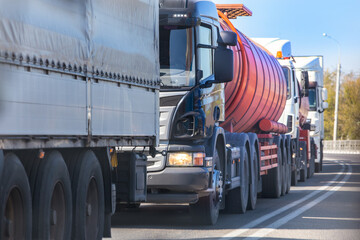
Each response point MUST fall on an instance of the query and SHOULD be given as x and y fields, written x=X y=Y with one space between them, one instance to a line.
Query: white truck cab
x=317 y=100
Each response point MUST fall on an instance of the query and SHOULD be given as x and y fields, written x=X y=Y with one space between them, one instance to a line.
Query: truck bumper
x=180 y=179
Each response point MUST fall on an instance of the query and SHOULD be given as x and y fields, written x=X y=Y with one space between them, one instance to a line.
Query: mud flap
x=131 y=178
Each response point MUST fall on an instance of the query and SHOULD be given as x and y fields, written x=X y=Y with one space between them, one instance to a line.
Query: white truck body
x=317 y=96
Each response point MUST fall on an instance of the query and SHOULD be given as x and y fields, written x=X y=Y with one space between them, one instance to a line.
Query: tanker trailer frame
x=74 y=86
x=203 y=159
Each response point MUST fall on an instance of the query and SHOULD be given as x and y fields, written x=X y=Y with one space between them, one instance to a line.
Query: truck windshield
x=287 y=77
x=312 y=99
x=177 y=59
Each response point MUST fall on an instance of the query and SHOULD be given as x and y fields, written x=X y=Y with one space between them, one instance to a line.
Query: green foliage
x=349 y=106
x=330 y=84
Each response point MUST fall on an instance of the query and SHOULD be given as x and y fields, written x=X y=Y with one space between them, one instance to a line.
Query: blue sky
x=303 y=22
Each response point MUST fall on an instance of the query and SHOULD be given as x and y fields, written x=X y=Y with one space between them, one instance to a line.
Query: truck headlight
x=186 y=159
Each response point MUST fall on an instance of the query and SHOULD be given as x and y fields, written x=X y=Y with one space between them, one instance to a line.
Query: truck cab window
x=288 y=79
x=205 y=51
x=312 y=99
x=177 y=57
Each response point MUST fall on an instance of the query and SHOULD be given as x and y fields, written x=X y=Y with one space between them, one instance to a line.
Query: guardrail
x=342 y=146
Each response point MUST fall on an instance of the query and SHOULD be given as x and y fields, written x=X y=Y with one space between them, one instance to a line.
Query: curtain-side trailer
x=77 y=80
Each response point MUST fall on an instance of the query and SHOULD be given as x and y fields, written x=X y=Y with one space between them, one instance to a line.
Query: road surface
x=327 y=206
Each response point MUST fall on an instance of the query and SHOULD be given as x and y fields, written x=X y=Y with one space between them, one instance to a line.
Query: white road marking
x=332 y=218
x=247 y=227
x=272 y=227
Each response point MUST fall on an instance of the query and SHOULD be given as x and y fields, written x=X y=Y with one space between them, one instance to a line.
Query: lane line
x=272 y=227
x=247 y=227
x=332 y=218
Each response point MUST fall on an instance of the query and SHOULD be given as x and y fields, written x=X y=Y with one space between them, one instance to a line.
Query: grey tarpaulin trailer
x=77 y=79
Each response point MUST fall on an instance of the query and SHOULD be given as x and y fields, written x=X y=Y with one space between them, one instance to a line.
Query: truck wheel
x=288 y=169
x=52 y=205
x=15 y=201
x=272 y=181
x=88 y=197
x=237 y=198
x=294 y=177
x=206 y=210
x=303 y=173
x=254 y=185
x=283 y=171
x=317 y=167
x=311 y=167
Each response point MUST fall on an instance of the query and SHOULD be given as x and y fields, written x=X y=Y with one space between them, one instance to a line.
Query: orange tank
x=258 y=90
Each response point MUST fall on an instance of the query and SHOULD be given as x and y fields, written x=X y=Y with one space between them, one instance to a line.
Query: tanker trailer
x=295 y=115
x=220 y=144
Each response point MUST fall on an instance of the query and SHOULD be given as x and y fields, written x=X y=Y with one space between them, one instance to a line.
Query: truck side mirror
x=324 y=94
x=227 y=38
x=224 y=66
x=325 y=105
x=305 y=83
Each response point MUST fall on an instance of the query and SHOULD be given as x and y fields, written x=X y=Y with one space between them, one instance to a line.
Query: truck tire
x=52 y=202
x=206 y=210
x=303 y=174
x=237 y=198
x=15 y=201
x=304 y=168
x=288 y=166
x=272 y=182
x=88 y=197
x=317 y=167
x=311 y=168
x=294 y=177
x=253 y=188
x=283 y=170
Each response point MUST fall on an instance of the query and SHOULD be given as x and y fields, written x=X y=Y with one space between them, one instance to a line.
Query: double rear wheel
x=15 y=201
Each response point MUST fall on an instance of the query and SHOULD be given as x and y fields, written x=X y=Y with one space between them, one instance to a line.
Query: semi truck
x=220 y=142
x=298 y=115
x=317 y=100
x=77 y=80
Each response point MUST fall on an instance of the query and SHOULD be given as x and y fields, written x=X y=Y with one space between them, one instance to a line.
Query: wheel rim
x=92 y=210
x=57 y=212
x=13 y=222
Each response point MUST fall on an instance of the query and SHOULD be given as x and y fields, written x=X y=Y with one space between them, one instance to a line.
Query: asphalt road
x=327 y=206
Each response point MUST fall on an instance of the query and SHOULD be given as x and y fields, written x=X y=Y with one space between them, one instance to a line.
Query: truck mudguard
x=218 y=134
x=1 y=162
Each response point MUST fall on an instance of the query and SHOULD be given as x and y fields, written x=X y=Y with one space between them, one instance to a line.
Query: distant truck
x=220 y=142
x=297 y=114
x=317 y=100
x=77 y=79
